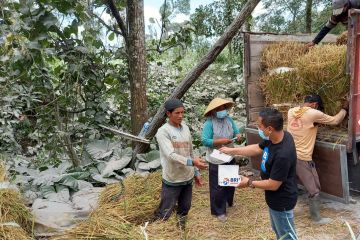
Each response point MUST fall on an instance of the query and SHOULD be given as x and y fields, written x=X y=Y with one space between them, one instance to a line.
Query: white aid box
x=229 y=175
x=218 y=158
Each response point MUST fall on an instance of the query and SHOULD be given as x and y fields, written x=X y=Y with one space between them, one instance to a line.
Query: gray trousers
x=307 y=174
x=172 y=196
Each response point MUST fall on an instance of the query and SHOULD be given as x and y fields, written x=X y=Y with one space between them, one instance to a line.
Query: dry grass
x=248 y=219
x=121 y=209
x=282 y=54
x=12 y=209
x=3 y=177
x=103 y=224
x=280 y=88
x=321 y=70
x=13 y=233
x=342 y=39
x=139 y=193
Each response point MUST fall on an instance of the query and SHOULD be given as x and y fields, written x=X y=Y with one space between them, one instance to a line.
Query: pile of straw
x=320 y=70
x=13 y=233
x=281 y=54
x=323 y=70
x=342 y=39
x=121 y=209
x=248 y=219
x=103 y=224
x=138 y=193
x=15 y=218
x=12 y=209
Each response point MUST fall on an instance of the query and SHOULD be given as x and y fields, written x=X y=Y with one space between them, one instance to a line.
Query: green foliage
x=212 y=19
x=56 y=81
x=282 y=16
x=220 y=79
x=59 y=81
x=172 y=34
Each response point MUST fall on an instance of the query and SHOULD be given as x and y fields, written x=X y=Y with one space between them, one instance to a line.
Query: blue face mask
x=221 y=114
x=262 y=134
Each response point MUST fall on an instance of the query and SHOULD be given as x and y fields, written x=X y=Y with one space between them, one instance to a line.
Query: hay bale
x=342 y=39
x=281 y=54
x=320 y=70
x=280 y=88
x=323 y=71
x=12 y=209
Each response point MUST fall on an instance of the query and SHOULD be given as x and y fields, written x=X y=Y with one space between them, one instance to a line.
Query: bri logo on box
x=230 y=181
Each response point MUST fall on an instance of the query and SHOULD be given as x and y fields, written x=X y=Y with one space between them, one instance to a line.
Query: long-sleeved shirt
x=207 y=136
x=301 y=126
x=176 y=154
x=335 y=19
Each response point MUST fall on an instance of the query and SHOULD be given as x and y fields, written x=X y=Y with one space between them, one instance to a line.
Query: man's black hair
x=272 y=117
x=172 y=104
x=315 y=98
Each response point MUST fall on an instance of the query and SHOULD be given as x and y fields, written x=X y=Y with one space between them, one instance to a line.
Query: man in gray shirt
x=179 y=166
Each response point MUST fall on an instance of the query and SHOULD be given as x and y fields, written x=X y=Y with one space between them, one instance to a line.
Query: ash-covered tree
x=294 y=16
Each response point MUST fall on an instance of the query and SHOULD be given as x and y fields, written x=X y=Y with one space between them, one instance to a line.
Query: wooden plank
x=329 y=169
x=254 y=115
x=256 y=99
x=353 y=59
x=257 y=48
x=271 y=38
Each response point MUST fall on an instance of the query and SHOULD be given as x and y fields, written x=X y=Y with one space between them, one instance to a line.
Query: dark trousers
x=172 y=195
x=219 y=195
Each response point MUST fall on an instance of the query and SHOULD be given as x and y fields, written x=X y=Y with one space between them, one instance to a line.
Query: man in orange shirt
x=302 y=125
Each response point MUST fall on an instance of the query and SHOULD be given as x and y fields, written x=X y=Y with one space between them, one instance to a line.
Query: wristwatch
x=249 y=183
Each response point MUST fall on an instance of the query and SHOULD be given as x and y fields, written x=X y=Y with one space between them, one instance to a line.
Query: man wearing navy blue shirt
x=278 y=171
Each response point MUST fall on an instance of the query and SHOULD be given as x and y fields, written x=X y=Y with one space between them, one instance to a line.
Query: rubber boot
x=181 y=222
x=314 y=204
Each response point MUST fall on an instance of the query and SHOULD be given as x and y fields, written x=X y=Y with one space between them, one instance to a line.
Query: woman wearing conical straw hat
x=219 y=130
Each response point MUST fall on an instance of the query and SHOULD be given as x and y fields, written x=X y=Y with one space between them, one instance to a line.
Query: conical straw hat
x=217 y=102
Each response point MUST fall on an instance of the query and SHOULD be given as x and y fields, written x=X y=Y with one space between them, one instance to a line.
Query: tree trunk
x=64 y=135
x=137 y=63
x=228 y=20
x=191 y=77
x=308 y=19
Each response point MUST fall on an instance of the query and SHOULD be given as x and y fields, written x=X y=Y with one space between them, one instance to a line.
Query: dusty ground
x=249 y=219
